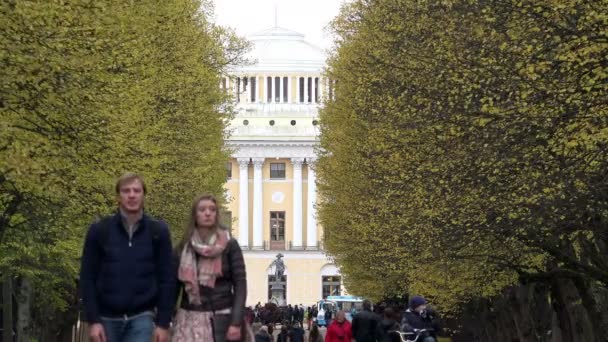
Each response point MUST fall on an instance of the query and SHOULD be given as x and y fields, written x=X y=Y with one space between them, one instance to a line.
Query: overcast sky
x=309 y=17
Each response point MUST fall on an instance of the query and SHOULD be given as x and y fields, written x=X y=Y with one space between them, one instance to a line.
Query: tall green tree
x=89 y=90
x=465 y=149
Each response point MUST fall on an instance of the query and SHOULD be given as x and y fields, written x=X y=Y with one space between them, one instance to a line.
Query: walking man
x=127 y=277
x=365 y=323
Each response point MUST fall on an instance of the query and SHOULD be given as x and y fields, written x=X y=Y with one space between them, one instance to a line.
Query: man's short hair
x=127 y=178
x=367 y=305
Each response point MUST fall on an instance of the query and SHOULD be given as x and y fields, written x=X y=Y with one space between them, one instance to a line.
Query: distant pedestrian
x=297 y=333
x=339 y=330
x=283 y=335
x=315 y=334
x=262 y=335
x=328 y=315
x=365 y=323
x=387 y=326
x=420 y=316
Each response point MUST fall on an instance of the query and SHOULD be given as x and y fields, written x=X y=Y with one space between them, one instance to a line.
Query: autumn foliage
x=465 y=155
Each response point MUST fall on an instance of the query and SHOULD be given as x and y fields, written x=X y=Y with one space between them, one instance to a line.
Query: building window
x=301 y=95
x=277 y=230
x=331 y=286
x=277 y=89
x=277 y=170
x=285 y=88
x=268 y=89
x=253 y=88
x=316 y=86
x=271 y=280
x=229 y=170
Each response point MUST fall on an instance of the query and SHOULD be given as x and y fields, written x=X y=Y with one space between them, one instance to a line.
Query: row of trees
x=89 y=90
x=465 y=158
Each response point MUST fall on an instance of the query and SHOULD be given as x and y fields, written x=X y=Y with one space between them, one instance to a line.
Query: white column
x=297 y=202
x=243 y=202
x=258 y=207
x=314 y=92
x=297 y=90
x=311 y=219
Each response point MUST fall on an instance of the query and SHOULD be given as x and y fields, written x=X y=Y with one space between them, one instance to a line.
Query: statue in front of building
x=279 y=267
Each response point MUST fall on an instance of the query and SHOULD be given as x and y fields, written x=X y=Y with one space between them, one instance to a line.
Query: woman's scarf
x=201 y=263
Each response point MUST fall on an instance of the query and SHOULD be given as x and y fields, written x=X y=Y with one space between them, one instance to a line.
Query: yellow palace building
x=271 y=177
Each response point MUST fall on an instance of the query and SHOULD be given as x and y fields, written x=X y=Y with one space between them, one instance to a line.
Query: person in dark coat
x=315 y=334
x=262 y=335
x=328 y=317
x=420 y=316
x=386 y=328
x=296 y=333
x=365 y=323
x=284 y=334
x=289 y=314
x=126 y=276
x=296 y=314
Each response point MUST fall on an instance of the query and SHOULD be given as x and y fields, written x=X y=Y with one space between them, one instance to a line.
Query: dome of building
x=280 y=49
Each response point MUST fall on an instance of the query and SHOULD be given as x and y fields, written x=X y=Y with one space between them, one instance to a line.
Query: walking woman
x=212 y=280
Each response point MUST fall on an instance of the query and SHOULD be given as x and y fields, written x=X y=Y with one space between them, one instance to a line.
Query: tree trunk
x=24 y=316
x=7 y=309
x=541 y=311
x=556 y=331
x=591 y=304
x=524 y=322
x=574 y=320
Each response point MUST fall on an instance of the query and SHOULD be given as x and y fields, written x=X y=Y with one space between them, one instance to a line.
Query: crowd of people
x=366 y=326
x=270 y=313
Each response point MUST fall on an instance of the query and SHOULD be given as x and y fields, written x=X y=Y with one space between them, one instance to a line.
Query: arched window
x=330 y=281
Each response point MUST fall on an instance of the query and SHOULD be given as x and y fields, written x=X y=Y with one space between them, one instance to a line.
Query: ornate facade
x=271 y=186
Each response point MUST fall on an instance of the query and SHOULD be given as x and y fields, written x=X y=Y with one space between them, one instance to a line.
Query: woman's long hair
x=192 y=225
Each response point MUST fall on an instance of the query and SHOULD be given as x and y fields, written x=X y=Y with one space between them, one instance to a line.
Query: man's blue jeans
x=138 y=328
